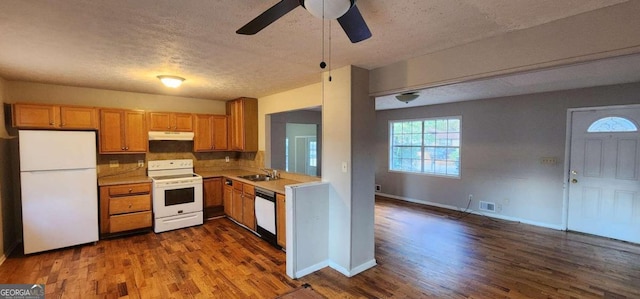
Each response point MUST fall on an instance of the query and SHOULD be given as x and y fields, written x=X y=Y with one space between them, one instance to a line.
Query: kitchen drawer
x=120 y=223
x=237 y=185
x=130 y=189
x=249 y=189
x=129 y=204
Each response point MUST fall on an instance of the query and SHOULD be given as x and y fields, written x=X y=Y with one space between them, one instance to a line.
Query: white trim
x=497 y=216
x=339 y=268
x=363 y=267
x=311 y=269
x=567 y=155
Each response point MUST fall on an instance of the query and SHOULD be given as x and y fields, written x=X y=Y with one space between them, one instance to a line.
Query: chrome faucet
x=271 y=173
x=268 y=171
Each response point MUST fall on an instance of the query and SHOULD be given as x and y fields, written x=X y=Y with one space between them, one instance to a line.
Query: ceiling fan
x=345 y=11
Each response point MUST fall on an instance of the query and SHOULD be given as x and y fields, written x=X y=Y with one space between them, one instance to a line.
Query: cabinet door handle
x=175 y=127
x=130 y=205
x=169 y=127
x=130 y=190
x=51 y=123
x=126 y=148
x=123 y=148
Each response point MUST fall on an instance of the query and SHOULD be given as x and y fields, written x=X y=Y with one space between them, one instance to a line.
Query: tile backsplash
x=127 y=164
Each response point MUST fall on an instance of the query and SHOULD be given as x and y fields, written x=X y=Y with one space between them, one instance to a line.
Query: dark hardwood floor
x=422 y=252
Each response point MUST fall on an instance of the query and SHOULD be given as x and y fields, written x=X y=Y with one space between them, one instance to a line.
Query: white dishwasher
x=265 y=207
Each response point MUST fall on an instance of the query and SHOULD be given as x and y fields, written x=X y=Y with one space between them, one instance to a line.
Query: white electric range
x=177 y=194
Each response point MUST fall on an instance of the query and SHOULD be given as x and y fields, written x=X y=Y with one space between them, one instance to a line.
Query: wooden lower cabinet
x=239 y=202
x=213 y=201
x=249 y=206
x=227 y=198
x=124 y=208
x=236 y=202
x=281 y=220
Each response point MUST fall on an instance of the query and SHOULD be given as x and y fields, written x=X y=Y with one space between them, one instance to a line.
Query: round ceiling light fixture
x=171 y=81
x=332 y=9
x=407 y=97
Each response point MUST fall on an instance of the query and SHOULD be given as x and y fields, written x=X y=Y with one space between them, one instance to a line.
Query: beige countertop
x=119 y=180
x=275 y=185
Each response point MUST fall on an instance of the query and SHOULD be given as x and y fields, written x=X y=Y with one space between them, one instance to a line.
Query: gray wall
x=503 y=141
x=279 y=131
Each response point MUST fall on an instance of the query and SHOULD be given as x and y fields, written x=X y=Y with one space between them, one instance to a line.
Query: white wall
x=503 y=141
x=605 y=32
x=295 y=99
x=346 y=110
x=19 y=91
x=336 y=149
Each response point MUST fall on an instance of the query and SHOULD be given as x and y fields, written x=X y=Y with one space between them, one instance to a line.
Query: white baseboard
x=492 y=215
x=339 y=268
x=354 y=271
x=365 y=266
x=311 y=269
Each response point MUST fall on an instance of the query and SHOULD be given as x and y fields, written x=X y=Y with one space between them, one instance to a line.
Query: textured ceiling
x=617 y=70
x=124 y=44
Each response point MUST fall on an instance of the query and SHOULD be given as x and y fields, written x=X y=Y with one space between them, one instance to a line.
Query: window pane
x=430 y=139
x=430 y=126
x=454 y=125
x=429 y=146
x=612 y=124
x=441 y=125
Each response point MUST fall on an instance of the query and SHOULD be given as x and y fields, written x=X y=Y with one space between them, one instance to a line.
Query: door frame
x=567 y=155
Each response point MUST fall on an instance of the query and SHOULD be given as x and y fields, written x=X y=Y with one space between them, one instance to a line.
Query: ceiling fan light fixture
x=333 y=9
x=171 y=81
x=407 y=97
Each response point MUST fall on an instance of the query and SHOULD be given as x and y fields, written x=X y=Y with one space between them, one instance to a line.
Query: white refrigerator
x=59 y=189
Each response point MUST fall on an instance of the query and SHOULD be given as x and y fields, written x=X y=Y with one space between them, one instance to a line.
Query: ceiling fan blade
x=269 y=16
x=354 y=25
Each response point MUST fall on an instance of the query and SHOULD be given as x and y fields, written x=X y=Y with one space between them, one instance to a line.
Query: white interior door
x=604 y=188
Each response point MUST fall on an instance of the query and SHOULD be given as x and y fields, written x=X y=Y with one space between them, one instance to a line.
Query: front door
x=604 y=186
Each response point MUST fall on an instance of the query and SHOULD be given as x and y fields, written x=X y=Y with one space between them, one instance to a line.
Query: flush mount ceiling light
x=332 y=9
x=171 y=81
x=407 y=97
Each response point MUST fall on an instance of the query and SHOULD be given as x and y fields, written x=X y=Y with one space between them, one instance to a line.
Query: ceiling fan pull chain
x=329 y=51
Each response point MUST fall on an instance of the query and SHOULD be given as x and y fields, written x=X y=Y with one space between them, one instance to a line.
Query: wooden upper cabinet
x=243 y=124
x=40 y=116
x=122 y=131
x=168 y=121
x=78 y=117
x=210 y=133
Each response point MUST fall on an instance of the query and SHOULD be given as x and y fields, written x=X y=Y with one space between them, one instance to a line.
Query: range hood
x=179 y=136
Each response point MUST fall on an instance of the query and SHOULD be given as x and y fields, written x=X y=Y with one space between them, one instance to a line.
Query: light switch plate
x=140 y=163
x=226 y=159
x=344 y=167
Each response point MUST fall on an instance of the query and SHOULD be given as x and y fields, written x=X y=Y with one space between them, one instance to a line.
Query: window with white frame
x=429 y=146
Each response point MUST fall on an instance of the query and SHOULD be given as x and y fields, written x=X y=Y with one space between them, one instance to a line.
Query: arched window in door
x=612 y=124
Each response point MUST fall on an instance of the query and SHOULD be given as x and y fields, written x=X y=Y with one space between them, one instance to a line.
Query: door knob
x=574 y=181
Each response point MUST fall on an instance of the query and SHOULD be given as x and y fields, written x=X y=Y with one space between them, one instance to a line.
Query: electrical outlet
x=378 y=188
x=140 y=163
x=470 y=197
x=114 y=164
x=226 y=159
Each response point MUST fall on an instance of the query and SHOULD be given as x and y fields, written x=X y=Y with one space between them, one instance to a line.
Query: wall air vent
x=487 y=206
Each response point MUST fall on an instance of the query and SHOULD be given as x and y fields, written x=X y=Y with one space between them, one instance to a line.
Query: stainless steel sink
x=256 y=177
